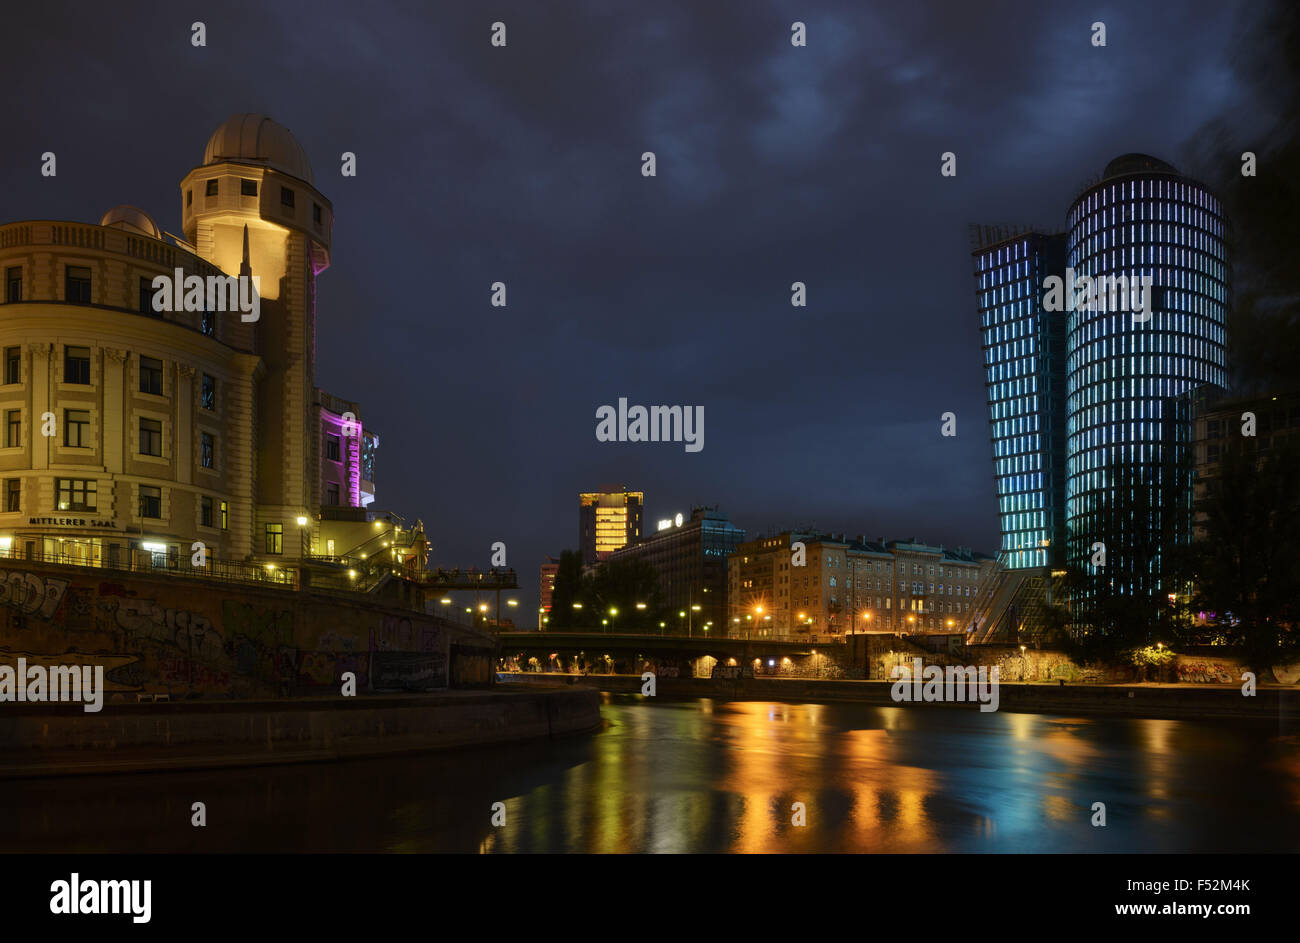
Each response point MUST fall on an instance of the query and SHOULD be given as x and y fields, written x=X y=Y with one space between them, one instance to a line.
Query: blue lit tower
x=1126 y=378
x=1024 y=369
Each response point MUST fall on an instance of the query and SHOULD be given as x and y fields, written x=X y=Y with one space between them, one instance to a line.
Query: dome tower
x=252 y=205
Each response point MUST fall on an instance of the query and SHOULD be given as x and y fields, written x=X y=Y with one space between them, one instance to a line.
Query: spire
x=244 y=267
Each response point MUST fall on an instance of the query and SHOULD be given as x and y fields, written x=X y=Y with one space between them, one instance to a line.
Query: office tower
x=690 y=557
x=607 y=520
x=1127 y=418
x=1024 y=369
x=1090 y=381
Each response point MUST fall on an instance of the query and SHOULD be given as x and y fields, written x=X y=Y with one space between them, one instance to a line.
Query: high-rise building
x=1127 y=371
x=546 y=587
x=1089 y=399
x=1024 y=369
x=690 y=557
x=607 y=520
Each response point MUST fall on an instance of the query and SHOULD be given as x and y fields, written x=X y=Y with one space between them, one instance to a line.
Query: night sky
x=775 y=164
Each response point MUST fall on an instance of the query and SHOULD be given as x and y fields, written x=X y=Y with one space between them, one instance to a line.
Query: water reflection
x=702 y=775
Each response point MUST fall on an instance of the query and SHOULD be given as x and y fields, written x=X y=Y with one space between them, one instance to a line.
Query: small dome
x=131 y=219
x=1137 y=164
x=258 y=139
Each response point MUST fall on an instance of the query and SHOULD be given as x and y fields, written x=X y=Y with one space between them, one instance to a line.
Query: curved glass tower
x=1127 y=370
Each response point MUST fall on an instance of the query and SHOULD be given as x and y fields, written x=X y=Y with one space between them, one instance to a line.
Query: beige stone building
x=131 y=429
x=852 y=585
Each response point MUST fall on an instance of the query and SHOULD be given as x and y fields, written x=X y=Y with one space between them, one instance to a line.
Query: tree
x=1123 y=604
x=567 y=591
x=621 y=584
x=1246 y=567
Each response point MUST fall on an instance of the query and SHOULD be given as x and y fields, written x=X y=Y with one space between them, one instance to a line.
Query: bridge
x=740 y=648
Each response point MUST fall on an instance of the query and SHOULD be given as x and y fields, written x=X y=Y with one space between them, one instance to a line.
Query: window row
x=82 y=494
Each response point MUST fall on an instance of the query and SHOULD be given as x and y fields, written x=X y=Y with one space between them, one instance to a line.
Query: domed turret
x=131 y=219
x=1137 y=164
x=257 y=139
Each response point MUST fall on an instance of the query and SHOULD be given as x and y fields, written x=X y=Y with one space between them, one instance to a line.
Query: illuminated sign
x=71 y=522
x=665 y=524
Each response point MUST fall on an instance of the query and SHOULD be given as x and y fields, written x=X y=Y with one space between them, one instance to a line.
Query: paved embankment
x=1174 y=701
x=61 y=739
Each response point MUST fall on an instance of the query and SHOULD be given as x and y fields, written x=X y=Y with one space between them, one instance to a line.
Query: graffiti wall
x=191 y=638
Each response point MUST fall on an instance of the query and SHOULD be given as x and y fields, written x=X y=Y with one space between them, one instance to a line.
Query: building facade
x=1125 y=375
x=134 y=429
x=1090 y=400
x=608 y=520
x=690 y=556
x=546 y=588
x=1024 y=367
x=852 y=585
x=1219 y=423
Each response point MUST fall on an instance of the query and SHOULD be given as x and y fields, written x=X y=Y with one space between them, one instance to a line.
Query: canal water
x=711 y=776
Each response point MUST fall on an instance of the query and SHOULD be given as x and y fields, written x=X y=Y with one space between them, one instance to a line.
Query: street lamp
x=1022 y=663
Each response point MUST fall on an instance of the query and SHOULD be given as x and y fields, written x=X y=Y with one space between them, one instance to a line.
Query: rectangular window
x=14 y=284
x=13 y=494
x=76 y=428
x=13 y=365
x=209 y=324
x=208 y=399
x=76 y=285
x=248 y=188
x=189 y=197
x=13 y=428
x=150 y=501
x=286 y=197
x=315 y=213
x=150 y=436
x=332 y=447
x=146 y=297
x=225 y=516
x=76 y=365
x=207 y=450
x=205 y=511
x=332 y=493
x=151 y=372
x=212 y=188
x=75 y=494
x=275 y=538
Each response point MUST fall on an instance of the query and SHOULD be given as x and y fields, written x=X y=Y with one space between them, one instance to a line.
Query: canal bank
x=1168 y=701
x=58 y=740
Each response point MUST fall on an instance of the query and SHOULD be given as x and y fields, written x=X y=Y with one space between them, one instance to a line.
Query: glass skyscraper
x=1088 y=400
x=1024 y=369
x=1127 y=371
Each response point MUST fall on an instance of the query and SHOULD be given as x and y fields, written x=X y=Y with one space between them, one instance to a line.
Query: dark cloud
x=523 y=165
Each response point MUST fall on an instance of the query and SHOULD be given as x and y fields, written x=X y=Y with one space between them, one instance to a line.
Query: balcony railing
x=143 y=561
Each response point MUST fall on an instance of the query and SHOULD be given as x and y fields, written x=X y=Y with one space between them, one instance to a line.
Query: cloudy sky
x=522 y=165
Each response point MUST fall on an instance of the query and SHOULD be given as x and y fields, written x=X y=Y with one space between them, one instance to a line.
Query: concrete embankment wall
x=190 y=637
x=1161 y=701
x=47 y=740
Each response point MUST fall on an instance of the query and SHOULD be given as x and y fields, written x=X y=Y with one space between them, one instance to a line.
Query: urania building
x=130 y=430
